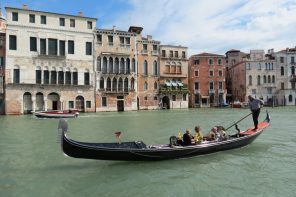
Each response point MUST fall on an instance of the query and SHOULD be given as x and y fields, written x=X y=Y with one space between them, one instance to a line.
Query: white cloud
x=215 y=26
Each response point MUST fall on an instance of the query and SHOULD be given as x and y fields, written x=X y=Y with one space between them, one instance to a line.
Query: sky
x=213 y=26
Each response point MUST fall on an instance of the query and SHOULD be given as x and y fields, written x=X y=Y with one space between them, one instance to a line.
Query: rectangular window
x=14 y=16
x=220 y=73
x=1 y=61
x=183 y=54
x=196 y=62
x=52 y=46
x=62 y=21
x=43 y=19
x=121 y=40
x=53 y=77
x=12 y=42
x=70 y=47
x=86 y=78
x=62 y=47
x=88 y=104
x=220 y=85
x=184 y=97
x=68 y=78
x=60 y=77
x=176 y=54
x=292 y=60
x=211 y=85
x=110 y=40
x=46 y=77
x=145 y=47
x=128 y=40
x=171 y=53
x=88 y=48
x=196 y=85
x=282 y=86
x=174 y=97
x=210 y=61
x=196 y=73
x=89 y=25
x=104 y=101
x=281 y=59
x=269 y=90
x=163 y=53
x=32 y=18
x=43 y=46
x=99 y=38
x=154 y=47
x=16 y=75
x=71 y=104
x=211 y=74
x=38 y=76
x=253 y=91
x=72 y=22
x=33 y=44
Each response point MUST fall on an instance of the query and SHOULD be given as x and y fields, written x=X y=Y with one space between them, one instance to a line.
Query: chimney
x=25 y=6
x=114 y=28
x=80 y=14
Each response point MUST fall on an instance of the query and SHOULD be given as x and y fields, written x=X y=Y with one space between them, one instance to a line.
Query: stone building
x=49 y=61
x=207 y=80
x=2 y=61
x=173 y=78
x=261 y=76
x=148 y=73
x=286 y=77
x=116 y=69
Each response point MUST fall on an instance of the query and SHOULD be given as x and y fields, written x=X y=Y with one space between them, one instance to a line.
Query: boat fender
x=173 y=141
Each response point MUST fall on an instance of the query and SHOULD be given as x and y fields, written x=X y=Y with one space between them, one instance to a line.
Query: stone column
x=33 y=103
x=45 y=103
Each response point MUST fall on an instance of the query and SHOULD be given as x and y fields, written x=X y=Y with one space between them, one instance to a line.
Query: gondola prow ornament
x=118 y=136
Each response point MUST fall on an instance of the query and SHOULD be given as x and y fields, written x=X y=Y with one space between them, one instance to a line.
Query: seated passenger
x=179 y=138
x=187 y=138
x=212 y=134
x=198 y=136
x=222 y=134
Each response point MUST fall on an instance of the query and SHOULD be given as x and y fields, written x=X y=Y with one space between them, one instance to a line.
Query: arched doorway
x=53 y=101
x=165 y=102
x=39 y=102
x=27 y=102
x=79 y=103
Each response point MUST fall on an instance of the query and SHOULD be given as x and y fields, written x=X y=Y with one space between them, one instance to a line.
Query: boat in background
x=139 y=151
x=69 y=113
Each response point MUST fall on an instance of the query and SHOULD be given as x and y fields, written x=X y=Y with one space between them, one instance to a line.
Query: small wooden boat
x=70 y=113
x=139 y=151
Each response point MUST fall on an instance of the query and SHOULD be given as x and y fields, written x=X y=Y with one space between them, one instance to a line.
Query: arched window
x=271 y=66
x=108 y=84
x=264 y=79
x=145 y=85
x=155 y=85
x=266 y=66
x=116 y=70
x=134 y=65
x=125 y=85
x=259 y=66
x=132 y=84
x=128 y=66
x=99 y=64
x=101 y=83
x=273 y=79
x=145 y=69
x=293 y=70
x=114 y=84
x=16 y=74
x=269 y=79
x=120 y=84
x=86 y=77
x=104 y=69
x=258 y=80
x=282 y=71
x=155 y=68
x=38 y=75
x=121 y=66
x=110 y=65
x=250 y=80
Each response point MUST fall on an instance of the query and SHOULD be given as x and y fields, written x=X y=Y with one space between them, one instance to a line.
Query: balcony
x=197 y=91
x=144 y=52
x=221 y=91
x=46 y=56
x=116 y=91
x=173 y=90
x=211 y=91
x=155 y=53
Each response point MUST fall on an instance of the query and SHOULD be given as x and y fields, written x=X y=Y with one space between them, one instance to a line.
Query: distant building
x=49 y=61
x=286 y=76
x=148 y=73
x=2 y=61
x=207 y=80
x=173 y=77
x=116 y=69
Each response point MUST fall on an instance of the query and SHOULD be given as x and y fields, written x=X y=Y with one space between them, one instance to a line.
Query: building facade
x=148 y=73
x=49 y=61
x=207 y=80
x=2 y=61
x=173 y=80
x=116 y=69
x=286 y=77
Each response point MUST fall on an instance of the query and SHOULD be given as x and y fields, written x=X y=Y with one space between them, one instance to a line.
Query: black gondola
x=139 y=151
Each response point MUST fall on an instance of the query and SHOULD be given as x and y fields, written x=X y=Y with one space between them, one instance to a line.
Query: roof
x=233 y=50
x=76 y=16
x=207 y=55
x=174 y=46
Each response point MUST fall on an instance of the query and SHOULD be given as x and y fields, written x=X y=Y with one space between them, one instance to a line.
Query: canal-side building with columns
x=49 y=61
x=148 y=73
x=116 y=69
x=173 y=79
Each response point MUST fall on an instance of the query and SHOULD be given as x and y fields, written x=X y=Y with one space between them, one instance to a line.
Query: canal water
x=32 y=164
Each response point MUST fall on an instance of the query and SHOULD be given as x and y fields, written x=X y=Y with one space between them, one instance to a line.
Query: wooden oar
x=237 y=121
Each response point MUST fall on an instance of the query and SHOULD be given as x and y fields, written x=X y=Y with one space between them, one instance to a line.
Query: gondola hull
x=138 y=151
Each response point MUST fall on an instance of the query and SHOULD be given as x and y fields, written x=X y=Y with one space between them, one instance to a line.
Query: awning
x=168 y=84
x=180 y=84
x=174 y=84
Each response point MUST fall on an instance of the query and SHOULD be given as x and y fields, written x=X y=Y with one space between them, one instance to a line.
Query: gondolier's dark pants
x=255 y=114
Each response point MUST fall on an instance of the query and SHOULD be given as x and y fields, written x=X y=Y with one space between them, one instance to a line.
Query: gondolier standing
x=255 y=105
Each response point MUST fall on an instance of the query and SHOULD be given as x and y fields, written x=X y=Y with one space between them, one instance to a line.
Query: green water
x=32 y=164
